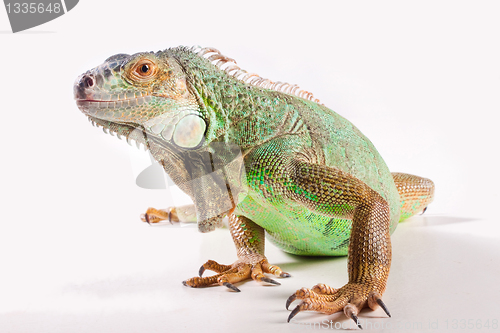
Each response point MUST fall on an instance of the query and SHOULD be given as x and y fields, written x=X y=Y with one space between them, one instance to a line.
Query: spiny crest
x=135 y=135
x=229 y=66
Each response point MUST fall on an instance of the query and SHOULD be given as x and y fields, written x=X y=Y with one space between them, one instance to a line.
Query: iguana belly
x=296 y=230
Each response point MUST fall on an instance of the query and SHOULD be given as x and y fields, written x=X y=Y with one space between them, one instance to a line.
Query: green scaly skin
x=269 y=160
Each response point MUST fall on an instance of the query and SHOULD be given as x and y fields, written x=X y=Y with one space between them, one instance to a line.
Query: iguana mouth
x=113 y=104
x=92 y=100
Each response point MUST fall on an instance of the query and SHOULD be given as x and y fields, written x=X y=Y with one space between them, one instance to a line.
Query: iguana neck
x=226 y=101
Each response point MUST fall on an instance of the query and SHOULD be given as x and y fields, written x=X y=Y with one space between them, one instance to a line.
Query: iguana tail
x=415 y=193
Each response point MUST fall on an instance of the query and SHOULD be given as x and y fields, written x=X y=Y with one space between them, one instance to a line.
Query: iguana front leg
x=249 y=240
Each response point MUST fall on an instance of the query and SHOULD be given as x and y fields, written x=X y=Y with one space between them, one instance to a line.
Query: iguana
x=268 y=156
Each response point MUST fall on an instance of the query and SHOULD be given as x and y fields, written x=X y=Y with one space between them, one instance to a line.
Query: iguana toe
x=239 y=271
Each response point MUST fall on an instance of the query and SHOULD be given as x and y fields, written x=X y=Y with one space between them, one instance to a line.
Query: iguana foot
x=242 y=269
x=154 y=215
x=351 y=298
x=171 y=215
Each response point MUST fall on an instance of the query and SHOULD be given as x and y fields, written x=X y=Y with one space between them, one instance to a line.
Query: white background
x=420 y=79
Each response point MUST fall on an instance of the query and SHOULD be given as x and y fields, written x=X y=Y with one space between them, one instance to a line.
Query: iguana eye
x=144 y=69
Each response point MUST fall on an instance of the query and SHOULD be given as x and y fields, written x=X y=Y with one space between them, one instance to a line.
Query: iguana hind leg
x=249 y=240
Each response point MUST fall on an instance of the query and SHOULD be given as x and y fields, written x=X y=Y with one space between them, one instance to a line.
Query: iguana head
x=145 y=91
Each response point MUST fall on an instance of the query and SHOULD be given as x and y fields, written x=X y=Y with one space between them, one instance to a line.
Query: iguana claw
x=231 y=286
x=269 y=280
x=382 y=305
x=146 y=217
x=375 y=299
x=356 y=320
x=293 y=313
x=290 y=300
x=351 y=311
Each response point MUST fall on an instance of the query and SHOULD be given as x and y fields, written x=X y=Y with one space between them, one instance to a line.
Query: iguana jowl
x=268 y=156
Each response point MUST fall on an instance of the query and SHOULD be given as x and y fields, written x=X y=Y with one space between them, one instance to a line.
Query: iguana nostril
x=88 y=81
